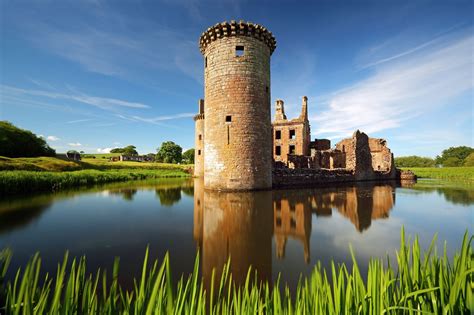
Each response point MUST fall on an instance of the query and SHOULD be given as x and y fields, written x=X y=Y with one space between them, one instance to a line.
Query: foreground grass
x=451 y=173
x=416 y=285
x=17 y=182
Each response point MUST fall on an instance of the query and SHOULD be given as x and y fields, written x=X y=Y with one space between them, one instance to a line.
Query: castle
x=237 y=147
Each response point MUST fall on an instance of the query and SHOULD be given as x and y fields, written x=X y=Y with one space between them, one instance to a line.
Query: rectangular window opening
x=228 y=118
x=278 y=221
x=205 y=62
x=278 y=134
x=278 y=150
x=266 y=89
x=239 y=51
x=292 y=149
x=292 y=134
x=293 y=223
x=199 y=152
x=200 y=137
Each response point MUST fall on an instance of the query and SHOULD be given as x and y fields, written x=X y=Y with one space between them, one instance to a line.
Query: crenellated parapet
x=198 y=117
x=234 y=28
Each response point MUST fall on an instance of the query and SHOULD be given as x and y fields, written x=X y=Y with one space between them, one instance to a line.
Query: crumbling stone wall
x=237 y=125
x=381 y=155
x=290 y=136
x=320 y=144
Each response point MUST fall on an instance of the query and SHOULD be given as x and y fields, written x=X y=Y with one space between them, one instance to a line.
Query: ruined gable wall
x=381 y=155
x=301 y=147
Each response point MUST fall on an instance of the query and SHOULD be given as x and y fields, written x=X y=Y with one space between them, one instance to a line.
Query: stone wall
x=237 y=125
x=320 y=144
x=199 y=141
x=290 y=136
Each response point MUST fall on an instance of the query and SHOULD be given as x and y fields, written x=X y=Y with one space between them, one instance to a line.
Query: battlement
x=234 y=28
x=198 y=117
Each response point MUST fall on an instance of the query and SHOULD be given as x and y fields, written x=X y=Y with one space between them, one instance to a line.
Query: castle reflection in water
x=241 y=225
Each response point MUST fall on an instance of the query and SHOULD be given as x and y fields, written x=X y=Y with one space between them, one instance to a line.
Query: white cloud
x=52 y=138
x=100 y=102
x=104 y=150
x=75 y=144
x=399 y=91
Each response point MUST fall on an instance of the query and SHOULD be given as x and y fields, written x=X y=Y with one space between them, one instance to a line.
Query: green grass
x=451 y=173
x=419 y=283
x=31 y=175
x=16 y=182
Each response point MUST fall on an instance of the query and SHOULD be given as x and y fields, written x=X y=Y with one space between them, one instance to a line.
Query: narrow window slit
x=239 y=51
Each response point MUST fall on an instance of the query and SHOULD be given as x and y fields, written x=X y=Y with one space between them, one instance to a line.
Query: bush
x=414 y=161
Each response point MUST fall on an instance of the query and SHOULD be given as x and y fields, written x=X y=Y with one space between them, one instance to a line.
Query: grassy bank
x=30 y=175
x=451 y=173
x=16 y=182
x=418 y=283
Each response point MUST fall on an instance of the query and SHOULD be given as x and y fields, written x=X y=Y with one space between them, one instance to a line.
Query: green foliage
x=414 y=161
x=169 y=152
x=128 y=150
x=168 y=196
x=469 y=161
x=450 y=173
x=454 y=156
x=16 y=142
x=417 y=284
x=188 y=156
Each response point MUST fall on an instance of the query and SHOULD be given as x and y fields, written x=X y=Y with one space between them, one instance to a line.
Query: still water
x=279 y=231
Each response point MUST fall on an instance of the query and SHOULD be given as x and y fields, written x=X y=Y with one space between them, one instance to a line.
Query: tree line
x=451 y=157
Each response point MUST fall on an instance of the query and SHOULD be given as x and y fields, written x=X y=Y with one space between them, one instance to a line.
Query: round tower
x=199 y=141
x=237 y=125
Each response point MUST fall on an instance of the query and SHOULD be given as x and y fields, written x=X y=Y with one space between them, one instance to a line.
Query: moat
x=279 y=231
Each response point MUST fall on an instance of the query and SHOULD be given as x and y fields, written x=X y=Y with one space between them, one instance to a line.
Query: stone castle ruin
x=237 y=147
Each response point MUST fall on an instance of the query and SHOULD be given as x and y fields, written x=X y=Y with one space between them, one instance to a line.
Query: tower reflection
x=240 y=225
x=235 y=225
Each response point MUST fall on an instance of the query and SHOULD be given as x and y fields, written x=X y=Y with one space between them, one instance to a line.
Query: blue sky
x=94 y=75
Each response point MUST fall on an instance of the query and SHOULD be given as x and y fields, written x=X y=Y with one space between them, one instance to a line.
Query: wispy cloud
x=100 y=102
x=155 y=120
x=400 y=89
x=74 y=144
x=52 y=138
x=79 y=121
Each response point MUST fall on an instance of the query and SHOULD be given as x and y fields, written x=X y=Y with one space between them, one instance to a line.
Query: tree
x=16 y=142
x=469 y=161
x=454 y=156
x=188 y=156
x=414 y=161
x=128 y=150
x=169 y=152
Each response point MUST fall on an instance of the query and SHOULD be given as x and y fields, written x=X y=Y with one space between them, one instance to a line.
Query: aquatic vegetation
x=417 y=284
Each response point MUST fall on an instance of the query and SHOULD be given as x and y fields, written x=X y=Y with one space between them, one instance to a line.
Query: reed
x=417 y=284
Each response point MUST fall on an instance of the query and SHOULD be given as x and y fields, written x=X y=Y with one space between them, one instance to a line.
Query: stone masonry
x=238 y=147
x=237 y=124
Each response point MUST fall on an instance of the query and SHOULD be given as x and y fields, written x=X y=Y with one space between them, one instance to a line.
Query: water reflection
x=234 y=225
x=277 y=231
x=241 y=225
